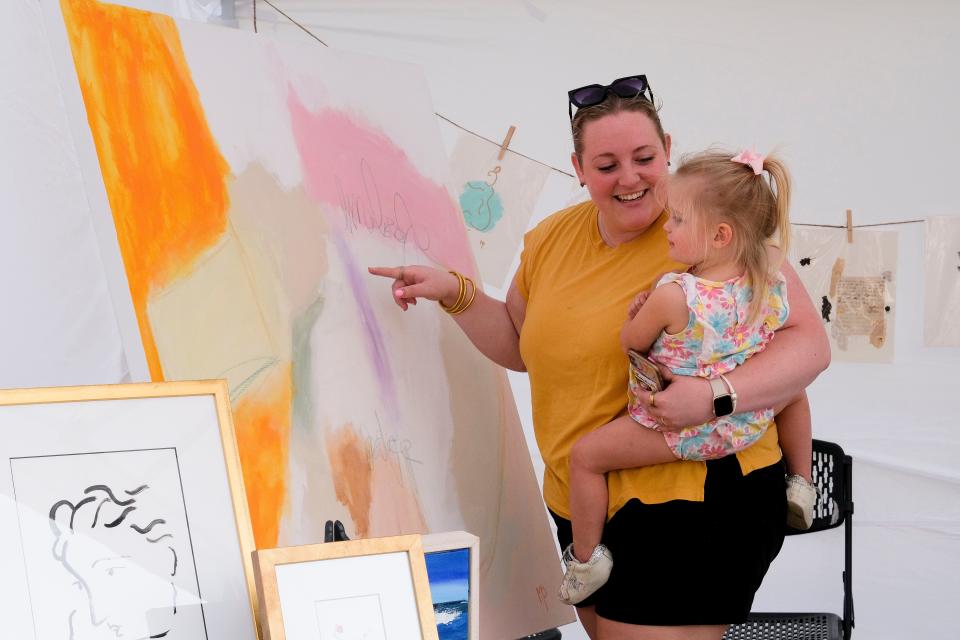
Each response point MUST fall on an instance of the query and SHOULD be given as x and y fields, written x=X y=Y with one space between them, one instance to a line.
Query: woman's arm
x=791 y=361
x=492 y=326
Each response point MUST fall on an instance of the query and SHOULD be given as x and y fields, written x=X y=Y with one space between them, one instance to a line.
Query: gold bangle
x=460 y=295
x=468 y=301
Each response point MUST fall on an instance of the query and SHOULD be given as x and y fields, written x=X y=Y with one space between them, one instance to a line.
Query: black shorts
x=684 y=563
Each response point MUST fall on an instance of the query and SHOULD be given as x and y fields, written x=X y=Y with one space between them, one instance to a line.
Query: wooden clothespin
x=850 y=226
x=506 y=143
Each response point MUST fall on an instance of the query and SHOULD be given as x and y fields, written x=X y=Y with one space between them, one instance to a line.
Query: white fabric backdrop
x=58 y=326
x=856 y=97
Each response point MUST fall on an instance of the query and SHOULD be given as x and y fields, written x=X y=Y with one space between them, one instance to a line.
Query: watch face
x=722 y=406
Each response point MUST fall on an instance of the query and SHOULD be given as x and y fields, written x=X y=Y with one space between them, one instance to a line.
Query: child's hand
x=686 y=401
x=637 y=303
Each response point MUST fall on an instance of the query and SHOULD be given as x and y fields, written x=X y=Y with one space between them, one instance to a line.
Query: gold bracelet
x=460 y=296
x=469 y=301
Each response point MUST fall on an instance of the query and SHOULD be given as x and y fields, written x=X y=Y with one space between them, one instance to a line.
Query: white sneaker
x=801 y=498
x=581 y=579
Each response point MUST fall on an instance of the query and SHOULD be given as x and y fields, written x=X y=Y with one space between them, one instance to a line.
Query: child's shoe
x=581 y=579
x=801 y=498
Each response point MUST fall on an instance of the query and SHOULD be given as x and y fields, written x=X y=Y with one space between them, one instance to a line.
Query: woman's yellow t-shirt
x=577 y=291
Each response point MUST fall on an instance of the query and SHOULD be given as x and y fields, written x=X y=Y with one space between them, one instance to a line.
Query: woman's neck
x=614 y=237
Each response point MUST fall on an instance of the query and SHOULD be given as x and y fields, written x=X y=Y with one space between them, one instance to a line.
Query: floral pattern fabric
x=717 y=338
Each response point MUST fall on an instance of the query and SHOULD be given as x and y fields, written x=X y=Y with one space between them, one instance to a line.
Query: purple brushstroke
x=376 y=348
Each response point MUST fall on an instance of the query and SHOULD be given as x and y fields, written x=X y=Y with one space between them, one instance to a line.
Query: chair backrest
x=831 y=475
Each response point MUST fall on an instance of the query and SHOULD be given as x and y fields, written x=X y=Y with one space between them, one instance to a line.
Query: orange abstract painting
x=167 y=186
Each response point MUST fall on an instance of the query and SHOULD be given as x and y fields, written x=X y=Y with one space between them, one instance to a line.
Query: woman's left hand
x=686 y=402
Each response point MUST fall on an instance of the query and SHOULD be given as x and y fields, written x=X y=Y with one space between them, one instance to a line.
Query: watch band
x=723 y=402
x=733 y=392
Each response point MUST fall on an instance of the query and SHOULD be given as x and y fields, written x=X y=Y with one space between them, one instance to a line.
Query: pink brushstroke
x=375 y=188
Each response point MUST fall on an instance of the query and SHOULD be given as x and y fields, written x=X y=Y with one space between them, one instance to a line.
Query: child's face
x=684 y=227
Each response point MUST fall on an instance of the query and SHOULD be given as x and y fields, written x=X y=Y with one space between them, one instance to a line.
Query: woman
x=579 y=272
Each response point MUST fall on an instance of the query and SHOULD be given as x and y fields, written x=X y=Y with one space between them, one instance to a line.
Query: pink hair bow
x=752 y=159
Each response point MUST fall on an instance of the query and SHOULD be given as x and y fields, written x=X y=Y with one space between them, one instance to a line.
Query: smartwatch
x=724 y=397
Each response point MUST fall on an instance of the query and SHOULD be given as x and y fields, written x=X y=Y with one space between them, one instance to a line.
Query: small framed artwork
x=453 y=568
x=125 y=514
x=374 y=589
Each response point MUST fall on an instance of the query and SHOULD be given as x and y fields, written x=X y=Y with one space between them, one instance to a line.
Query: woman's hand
x=416 y=281
x=686 y=402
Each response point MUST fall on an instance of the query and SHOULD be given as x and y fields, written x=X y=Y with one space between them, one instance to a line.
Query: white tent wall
x=857 y=97
x=58 y=326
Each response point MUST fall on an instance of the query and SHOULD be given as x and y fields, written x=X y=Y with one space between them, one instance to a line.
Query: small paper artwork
x=942 y=282
x=852 y=284
x=117 y=529
x=496 y=198
x=351 y=618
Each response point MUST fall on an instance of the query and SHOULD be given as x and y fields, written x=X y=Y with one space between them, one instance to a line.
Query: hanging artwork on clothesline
x=853 y=286
x=257 y=182
x=941 y=269
x=496 y=199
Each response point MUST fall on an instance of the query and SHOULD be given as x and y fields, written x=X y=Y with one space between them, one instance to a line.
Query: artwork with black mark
x=825 y=308
x=107 y=546
x=853 y=286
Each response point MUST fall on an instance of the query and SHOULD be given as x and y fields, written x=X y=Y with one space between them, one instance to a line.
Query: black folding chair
x=833 y=475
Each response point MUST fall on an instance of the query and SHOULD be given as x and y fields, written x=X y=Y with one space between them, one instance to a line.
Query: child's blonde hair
x=756 y=207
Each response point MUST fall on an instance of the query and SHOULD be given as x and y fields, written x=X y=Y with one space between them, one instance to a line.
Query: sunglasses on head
x=593 y=94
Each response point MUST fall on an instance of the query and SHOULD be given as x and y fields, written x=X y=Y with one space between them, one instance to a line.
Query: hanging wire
x=855 y=226
x=544 y=164
x=278 y=10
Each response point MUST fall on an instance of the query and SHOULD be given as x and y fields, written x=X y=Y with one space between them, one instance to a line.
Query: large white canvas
x=394 y=423
x=941 y=262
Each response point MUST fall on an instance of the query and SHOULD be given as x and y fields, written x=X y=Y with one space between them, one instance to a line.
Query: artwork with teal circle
x=481 y=206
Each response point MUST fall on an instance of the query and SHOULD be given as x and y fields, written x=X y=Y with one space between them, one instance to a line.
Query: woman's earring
x=582 y=183
x=668 y=163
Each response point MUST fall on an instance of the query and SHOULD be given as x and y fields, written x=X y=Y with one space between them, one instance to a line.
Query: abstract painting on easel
x=256 y=183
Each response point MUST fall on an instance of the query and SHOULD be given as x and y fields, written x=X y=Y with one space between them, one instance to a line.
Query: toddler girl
x=723 y=216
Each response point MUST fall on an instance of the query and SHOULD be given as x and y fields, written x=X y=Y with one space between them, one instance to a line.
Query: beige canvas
x=853 y=284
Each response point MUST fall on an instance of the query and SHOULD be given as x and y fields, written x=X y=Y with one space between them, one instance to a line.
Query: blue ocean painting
x=449 y=574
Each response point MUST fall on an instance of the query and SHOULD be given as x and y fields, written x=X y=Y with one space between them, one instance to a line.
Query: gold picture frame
x=378 y=583
x=155 y=462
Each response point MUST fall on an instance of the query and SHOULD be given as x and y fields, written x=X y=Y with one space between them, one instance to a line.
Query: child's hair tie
x=752 y=159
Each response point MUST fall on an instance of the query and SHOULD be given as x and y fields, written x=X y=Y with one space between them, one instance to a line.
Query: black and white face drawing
x=124 y=562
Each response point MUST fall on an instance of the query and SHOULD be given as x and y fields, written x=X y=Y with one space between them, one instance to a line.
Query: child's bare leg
x=796 y=441
x=796 y=436
x=621 y=444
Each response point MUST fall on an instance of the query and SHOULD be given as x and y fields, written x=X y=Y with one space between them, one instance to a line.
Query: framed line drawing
x=453 y=568
x=125 y=514
x=374 y=589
